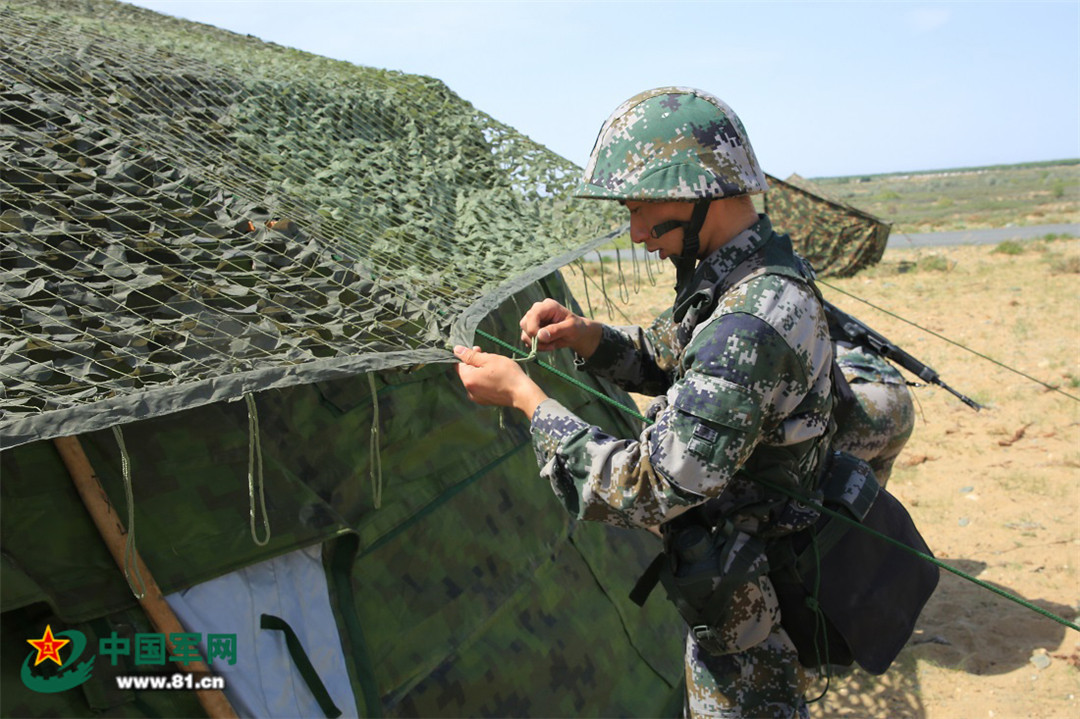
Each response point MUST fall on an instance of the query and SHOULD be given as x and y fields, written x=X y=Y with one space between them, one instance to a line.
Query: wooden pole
x=113 y=532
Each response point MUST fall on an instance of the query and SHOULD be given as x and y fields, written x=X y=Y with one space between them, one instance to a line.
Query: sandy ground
x=995 y=492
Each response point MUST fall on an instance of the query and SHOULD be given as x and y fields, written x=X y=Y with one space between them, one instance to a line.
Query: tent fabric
x=264 y=681
x=837 y=238
x=468 y=592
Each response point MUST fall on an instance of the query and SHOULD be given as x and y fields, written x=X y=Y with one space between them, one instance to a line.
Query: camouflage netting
x=837 y=238
x=466 y=590
x=188 y=215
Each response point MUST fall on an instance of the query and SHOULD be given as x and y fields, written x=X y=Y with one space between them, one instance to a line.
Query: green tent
x=837 y=238
x=232 y=270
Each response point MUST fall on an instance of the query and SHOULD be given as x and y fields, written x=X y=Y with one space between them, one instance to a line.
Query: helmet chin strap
x=686 y=261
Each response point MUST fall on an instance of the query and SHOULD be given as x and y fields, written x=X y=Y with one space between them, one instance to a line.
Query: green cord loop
x=375 y=472
x=562 y=375
x=532 y=355
x=131 y=560
x=256 y=482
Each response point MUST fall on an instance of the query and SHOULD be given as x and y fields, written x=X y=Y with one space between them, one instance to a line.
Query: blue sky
x=824 y=89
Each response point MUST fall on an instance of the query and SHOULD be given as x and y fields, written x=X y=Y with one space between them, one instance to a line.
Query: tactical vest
x=795 y=467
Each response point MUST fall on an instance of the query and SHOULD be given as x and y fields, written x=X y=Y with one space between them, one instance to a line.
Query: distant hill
x=1030 y=193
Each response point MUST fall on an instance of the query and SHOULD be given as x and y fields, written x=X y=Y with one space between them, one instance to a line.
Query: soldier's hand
x=492 y=379
x=556 y=327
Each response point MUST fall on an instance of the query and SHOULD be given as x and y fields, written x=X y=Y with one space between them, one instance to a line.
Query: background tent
x=837 y=238
x=233 y=270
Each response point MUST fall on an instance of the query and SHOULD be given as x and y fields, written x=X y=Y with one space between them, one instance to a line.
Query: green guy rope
x=562 y=375
x=809 y=502
x=933 y=560
x=952 y=342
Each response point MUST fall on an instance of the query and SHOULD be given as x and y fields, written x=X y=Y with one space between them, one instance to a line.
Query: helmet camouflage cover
x=672 y=143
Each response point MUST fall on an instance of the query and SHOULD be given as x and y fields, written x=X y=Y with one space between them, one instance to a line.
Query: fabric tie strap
x=303 y=664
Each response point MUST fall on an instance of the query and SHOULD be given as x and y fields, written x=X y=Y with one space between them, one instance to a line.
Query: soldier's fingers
x=530 y=323
x=525 y=318
x=557 y=335
x=542 y=314
x=472 y=357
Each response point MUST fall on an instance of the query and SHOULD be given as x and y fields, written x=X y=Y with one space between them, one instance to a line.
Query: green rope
x=610 y=305
x=821 y=631
x=131 y=562
x=374 y=451
x=933 y=560
x=624 y=291
x=585 y=284
x=562 y=375
x=648 y=270
x=603 y=286
x=636 y=270
x=255 y=474
x=952 y=342
x=806 y=500
x=529 y=357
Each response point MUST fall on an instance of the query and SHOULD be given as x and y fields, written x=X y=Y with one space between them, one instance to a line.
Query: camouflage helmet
x=672 y=143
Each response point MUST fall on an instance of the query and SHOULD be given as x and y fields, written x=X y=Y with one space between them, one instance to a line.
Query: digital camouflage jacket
x=744 y=366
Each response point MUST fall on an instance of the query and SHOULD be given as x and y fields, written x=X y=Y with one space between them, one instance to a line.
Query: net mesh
x=189 y=215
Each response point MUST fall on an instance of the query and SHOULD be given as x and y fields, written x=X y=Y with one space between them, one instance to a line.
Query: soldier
x=744 y=374
x=878 y=421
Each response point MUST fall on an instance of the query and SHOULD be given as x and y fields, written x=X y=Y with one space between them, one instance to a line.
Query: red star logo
x=48 y=647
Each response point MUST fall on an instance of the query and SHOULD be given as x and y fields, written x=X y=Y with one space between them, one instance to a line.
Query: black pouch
x=717 y=578
x=869 y=591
